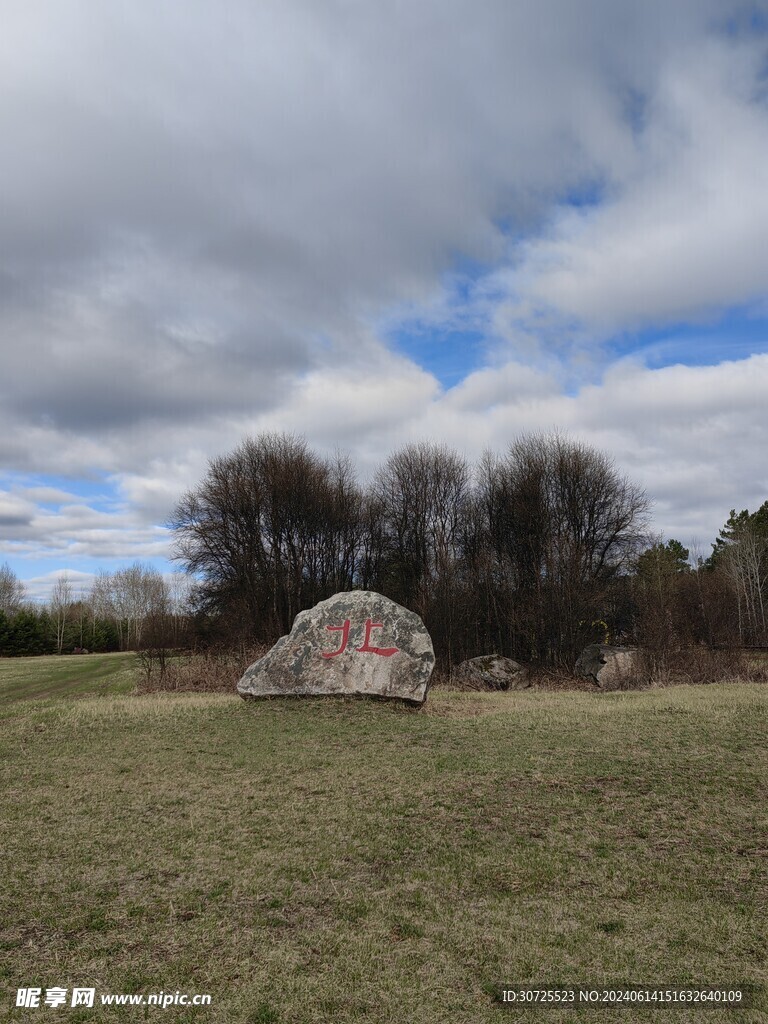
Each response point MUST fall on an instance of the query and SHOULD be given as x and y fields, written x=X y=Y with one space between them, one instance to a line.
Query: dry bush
x=703 y=665
x=209 y=671
x=440 y=679
x=543 y=677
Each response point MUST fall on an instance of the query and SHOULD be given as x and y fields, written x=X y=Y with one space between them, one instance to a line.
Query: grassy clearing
x=70 y=675
x=350 y=861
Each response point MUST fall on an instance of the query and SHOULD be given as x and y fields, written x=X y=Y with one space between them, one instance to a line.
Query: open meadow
x=354 y=861
x=73 y=675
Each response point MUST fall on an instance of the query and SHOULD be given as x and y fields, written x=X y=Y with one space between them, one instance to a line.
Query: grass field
x=347 y=861
x=71 y=675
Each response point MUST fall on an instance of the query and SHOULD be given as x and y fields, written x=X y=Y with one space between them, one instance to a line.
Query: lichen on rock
x=355 y=643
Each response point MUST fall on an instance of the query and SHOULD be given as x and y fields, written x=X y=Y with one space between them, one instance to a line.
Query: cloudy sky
x=372 y=223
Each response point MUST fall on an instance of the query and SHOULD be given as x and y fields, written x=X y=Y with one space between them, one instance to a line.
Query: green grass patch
x=352 y=861
x=67 y=675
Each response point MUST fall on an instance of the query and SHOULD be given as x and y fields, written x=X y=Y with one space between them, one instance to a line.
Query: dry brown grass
x=689 y=666
x=218 y=671
x=701 y=666
x=353 y=862
x=213 y=671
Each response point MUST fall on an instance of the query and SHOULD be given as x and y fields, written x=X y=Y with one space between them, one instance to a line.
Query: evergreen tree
x=4 y=633
x=663 y=558
x=734 y=525
x=28 y=633
x=741 y=554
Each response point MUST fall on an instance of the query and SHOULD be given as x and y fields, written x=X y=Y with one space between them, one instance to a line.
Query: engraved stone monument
x=357 y=643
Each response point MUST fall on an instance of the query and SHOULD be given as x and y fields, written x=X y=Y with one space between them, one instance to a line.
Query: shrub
x=210 y=671
x=702 y=665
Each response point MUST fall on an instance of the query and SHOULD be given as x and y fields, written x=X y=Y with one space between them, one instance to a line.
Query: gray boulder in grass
x=491 y=672
x=357 y=643
x=611 y=668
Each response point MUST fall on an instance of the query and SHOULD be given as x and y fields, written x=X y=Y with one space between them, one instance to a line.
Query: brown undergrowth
x=218 y=671
x=700 y=666
x=210 y=671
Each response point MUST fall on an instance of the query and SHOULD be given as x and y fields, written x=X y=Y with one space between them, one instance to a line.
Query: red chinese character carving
x=385 y=652
x=344 y=630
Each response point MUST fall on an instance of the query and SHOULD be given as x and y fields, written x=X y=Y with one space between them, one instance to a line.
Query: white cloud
x=204 y=216
x=682 y=231
x=692 y=436
x=39 y=588
x=34 y=527
x=176 y=235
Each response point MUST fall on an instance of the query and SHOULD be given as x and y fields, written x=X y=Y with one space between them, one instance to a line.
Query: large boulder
x=491 y=672
x=611 y=668
x=356 y=643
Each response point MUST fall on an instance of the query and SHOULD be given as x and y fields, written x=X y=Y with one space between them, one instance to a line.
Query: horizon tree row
x=121 y=610
x=527 y=554
x=532 y=554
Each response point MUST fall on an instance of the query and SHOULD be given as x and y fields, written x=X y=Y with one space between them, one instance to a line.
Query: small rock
x=355 y=643
x=491 y=672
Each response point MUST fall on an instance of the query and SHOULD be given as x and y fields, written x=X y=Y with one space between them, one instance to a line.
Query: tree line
x=533 y=553
x=120 y=610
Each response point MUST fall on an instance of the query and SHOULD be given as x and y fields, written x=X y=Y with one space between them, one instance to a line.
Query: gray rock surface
x=612 y=668
x=355 y=643
x=491 y=672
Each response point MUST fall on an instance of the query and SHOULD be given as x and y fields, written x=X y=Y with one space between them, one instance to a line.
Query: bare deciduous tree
x=129 y=597
x=744 y=562
x=422 y=496
x=12 y=592
x=272 y=529
x=562 y=525
x=522 y=562
x=422 y=491
x=60 y=605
